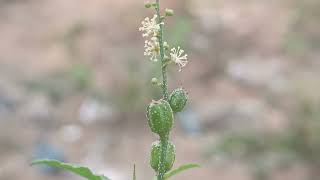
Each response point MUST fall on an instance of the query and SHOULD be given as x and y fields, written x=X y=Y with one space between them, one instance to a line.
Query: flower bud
x=160 y=117
x=166 y=45
x=167 y=59
x=154 y=81
x=169 y=12
x=155 y=158
x=178 y=100
x=147 y=4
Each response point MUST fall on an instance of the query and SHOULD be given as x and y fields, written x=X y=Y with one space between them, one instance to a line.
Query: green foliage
x=180 y=169
x=79 y=170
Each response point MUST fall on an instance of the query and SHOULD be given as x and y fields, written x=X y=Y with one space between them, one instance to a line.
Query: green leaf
x=79 y=170
x=180 y=169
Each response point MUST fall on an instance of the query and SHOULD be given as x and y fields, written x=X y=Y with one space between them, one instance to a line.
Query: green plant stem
x=134 y=172
x=163 y=63
x=163 y=140
x=164 y=145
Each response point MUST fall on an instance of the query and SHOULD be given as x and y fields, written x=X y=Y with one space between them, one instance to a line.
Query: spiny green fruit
x=160 y=117
x=156 y=156
x=178 y=100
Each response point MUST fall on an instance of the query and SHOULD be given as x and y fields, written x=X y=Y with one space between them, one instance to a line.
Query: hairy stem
x=164 y=66
x=163 y=140
x=164 y=145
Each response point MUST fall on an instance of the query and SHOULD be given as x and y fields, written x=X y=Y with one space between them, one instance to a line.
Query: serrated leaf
x=180 y=169
x=79 y=170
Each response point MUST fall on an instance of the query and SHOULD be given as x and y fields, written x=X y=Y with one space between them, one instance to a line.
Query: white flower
x=150 y=26
x=152 y=49
x=178 y=58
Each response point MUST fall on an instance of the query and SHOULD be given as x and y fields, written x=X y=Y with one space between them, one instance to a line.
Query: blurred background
x=74 y=85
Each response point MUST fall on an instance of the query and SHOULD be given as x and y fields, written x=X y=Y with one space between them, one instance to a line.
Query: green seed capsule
x=156 y=156
x=178 y=100
x=160 y=117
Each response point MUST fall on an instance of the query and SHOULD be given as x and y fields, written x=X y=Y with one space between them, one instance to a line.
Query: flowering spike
x=160 y=113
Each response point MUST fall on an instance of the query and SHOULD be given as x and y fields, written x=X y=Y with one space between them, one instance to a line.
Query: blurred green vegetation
x=268 y=152
x=179 y=32
x=58 y=86
x=81 y=76
x=303 y=37
x=71 y=36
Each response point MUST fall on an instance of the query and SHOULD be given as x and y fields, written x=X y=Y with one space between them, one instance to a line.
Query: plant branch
x=163 y=140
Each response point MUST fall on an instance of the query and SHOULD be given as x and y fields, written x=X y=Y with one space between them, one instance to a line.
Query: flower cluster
x=151 y=28
x=152 y=49
x=178 y=57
